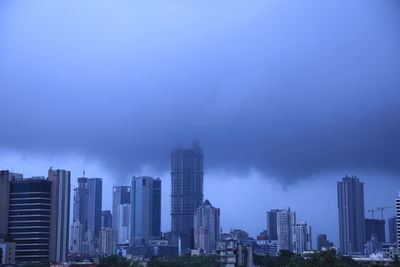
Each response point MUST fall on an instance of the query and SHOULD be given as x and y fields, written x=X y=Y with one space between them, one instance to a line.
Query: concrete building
x=285 y=220
x=301 y=238
x=76 y=238
x=232 y=252
x=106 y=219
x=108 y=241
x=271 y=224
x=5 y=178
x=351 y=216
x=206 y=227
x=121 y=201
x=392 y=229
x=323 y=243
x=35 y=214
x=398 y=222
x=186 y=192
x=146 y=210
x=60 y=207
x=7 y=252
x=377 y=227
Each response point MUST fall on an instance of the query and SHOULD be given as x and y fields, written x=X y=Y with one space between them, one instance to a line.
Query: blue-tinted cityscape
x=36 y=225
x=199 y=133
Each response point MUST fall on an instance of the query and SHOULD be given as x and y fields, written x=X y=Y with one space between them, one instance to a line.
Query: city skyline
x=255 y=106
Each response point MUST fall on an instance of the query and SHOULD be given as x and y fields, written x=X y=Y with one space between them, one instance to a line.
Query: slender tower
x=351 y=215
x=186 y=192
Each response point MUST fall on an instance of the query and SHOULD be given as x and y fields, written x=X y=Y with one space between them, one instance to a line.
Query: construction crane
x=381 y=209
x=372 y=213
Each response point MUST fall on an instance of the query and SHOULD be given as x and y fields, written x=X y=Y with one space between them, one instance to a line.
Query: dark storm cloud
x=290 y=88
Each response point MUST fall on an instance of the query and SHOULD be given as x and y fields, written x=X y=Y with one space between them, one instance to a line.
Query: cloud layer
x=288 y=88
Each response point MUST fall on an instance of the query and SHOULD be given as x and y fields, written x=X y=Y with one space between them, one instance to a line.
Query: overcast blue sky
x=284 y=96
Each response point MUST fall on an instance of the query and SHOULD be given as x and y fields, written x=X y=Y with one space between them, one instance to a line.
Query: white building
x=124 y=223
x=76 y=238
x=206 y=227
x=107 y=241
x=285 y=220
x=301 y=237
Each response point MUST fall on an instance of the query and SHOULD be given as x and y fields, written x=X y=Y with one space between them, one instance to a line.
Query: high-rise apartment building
x=301 y=237
x=186 y=192
x=285 y=220
x=376 y=227
x=121 y=213
x=146 y=210
x=206 y=227
x=351 y=215
x=271 y=224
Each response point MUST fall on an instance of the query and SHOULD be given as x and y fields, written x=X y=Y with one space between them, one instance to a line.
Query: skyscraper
x=30 y=218
x=301 y=238
x=60 y=206
x=351 y=215
x=95 y=188
x=285 y=220
x=87 y=213
x=121 y=213
x=271 y=224
x=206 y=227
x=186 y=191
x=375 y=226
x=146 y=210
x=35 y=214
x=398 y=221
x=5 y=178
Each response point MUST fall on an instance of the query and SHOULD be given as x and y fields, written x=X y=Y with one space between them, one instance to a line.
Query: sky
x=285 y=97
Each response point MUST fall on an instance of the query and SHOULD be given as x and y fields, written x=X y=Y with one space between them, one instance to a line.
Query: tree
x=116 y=261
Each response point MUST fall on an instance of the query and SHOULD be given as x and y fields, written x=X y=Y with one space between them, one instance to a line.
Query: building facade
x=301 y=238
x=271 y=224
x=106 y=219
x=121 y=213
x=60 y=207
x=108 y=241
x=86 y=216
x=206 y=227
x=351 y=215
x=398 y=222
x=146 y=210
x=392 y=229
x=35 y=214
x=323 y=242
x=285 y=220
x=375 y=226
x=186 y=192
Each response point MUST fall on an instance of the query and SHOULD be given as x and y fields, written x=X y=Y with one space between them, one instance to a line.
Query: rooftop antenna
x=84 y=172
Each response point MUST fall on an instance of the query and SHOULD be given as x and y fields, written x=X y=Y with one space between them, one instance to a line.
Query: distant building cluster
x=35 y=220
